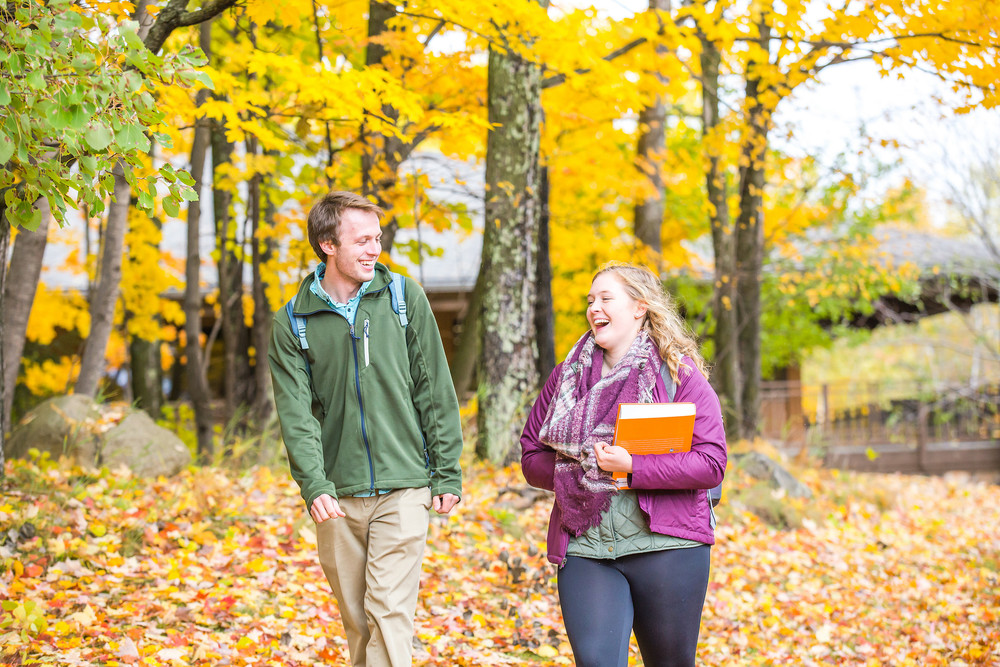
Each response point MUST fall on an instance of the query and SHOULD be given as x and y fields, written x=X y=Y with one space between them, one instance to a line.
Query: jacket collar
x=307 y=303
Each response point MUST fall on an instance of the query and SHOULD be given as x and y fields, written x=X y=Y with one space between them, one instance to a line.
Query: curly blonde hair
x=668 y=329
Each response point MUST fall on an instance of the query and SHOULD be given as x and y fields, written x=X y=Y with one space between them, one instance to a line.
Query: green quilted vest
x=623 y=530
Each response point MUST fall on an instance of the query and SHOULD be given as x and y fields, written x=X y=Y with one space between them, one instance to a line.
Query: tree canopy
x=301 y=97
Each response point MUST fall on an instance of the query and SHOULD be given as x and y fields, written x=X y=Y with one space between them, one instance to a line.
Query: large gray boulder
x=99 y=435
x=769 y=471
x=147 y=448
x=59 y=426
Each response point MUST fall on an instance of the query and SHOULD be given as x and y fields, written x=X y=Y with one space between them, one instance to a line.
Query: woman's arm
x=538 y=460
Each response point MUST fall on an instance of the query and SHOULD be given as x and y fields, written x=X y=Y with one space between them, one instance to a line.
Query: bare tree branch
x=617 y=53
x=174 y=15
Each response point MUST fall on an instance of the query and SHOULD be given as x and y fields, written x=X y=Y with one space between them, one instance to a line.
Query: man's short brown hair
x=324 y=217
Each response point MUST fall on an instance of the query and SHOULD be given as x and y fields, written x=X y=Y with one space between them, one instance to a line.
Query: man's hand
x=445 y=502
x=325 y=507
x=613 y=458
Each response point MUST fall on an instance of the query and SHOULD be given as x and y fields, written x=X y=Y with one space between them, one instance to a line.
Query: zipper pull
x=366 y=343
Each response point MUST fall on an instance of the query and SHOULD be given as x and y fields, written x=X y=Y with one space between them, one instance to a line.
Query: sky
x=851 y=109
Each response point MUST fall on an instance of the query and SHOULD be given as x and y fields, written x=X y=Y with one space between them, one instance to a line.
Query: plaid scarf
x=582 y=413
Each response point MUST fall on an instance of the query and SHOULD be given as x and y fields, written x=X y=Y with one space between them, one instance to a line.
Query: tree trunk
x=319 y=58
x=144 y=362
x=725 y=365
x=144 y=355
x=463 y=365
x=508 y=368
x=238 y=375
x=750 y=245
x=196 y=379
x=102 y=302
x=382 y=154
x=649 y=211
x=4 y=388
x=257 y=284
x=174 y=15
x=147 y=375
x=652 y=141
x=143 y=18
x=261 y=328
x=544 y=313
x=749 y=261
x=19 y=293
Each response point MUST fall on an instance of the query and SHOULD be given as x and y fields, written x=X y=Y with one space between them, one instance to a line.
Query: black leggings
x=658 y=594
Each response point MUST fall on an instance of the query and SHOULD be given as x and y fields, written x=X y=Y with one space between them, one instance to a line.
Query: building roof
x=455 y=264
x=956 y=273
x=962 y=256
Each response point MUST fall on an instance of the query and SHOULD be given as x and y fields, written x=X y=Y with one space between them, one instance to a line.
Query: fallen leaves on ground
x=215 y=567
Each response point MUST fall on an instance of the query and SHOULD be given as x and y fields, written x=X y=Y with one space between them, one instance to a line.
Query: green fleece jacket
x=381 y=412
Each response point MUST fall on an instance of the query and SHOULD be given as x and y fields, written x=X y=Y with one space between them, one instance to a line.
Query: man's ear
x=328 y=247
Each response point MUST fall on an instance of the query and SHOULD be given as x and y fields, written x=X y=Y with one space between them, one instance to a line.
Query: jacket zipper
x=361 y=406
x=366 y=343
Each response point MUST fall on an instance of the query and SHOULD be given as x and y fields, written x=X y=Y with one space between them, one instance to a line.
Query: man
x=370 y=423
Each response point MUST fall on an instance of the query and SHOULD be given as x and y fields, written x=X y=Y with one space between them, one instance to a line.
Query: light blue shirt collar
x=349 y=309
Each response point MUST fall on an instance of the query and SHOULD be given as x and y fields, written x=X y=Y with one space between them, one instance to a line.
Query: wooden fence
x=887 y=427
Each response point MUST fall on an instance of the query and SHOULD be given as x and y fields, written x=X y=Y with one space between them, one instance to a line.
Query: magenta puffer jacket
x=671 y=487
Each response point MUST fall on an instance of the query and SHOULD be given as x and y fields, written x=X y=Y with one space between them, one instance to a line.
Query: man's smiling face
x=360 y=245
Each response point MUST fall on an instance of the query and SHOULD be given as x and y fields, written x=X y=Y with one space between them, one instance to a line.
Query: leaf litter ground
x=216 y=567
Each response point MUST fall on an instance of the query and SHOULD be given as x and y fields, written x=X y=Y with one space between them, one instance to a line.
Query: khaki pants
x=372 y=559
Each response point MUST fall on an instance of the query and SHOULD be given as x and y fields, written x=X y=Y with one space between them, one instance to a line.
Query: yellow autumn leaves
x=311 y=120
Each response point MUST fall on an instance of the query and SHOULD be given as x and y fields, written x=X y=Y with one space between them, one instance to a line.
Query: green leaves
x=78 y=94
x=27 y=617
x=192 y=76
x=83 y=62
x=35 y=80
x=6 y=148
x=128 y=31
x=146 y=200
x=132 y=82
x=23 y=210
x=171 y=207
x=99 y=136
x=77 y=117
x=131 y=138
x=88 y=164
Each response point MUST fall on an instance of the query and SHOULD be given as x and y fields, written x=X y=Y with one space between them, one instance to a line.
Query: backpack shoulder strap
x=397 y=293
x=298 y=324
x=668 y=381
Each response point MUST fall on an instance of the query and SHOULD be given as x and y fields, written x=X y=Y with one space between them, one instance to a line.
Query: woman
x=632 y=560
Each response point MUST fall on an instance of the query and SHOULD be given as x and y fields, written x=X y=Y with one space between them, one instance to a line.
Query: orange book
x=653 y=428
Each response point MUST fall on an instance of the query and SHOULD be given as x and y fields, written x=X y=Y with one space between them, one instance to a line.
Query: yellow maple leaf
x=546 y=651
x=85 y=618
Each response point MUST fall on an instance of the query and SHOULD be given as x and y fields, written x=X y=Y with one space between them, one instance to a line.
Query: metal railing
x=889 y=426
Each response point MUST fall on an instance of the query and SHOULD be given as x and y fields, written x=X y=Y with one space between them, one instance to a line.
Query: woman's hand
x=613 y=458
